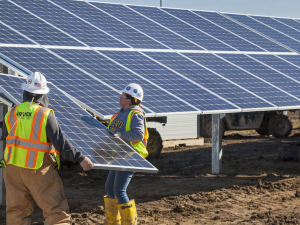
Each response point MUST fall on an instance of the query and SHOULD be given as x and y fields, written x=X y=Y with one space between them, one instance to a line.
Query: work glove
x=2 y=163
x=118 y=134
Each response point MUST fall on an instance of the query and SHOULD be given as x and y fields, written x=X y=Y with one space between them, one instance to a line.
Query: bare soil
x=255 y=186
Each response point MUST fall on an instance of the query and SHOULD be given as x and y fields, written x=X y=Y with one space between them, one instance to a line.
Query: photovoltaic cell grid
x=87 y=89
x=280 y=65
x=170 y=81
x=271 y=33
x=294 y=59
x=268 y=93
x=214 y=30
x=271 y=76
x=8 y=36
x=290 y=22
x=114 y=27
x=243 y=32
x=32 y=27
x=71 y=80
x=182 y=28
x=116 y=76
x=212 y=81
x=148 y=27
x=70 y=24
x=279 y=26
x=88 y=135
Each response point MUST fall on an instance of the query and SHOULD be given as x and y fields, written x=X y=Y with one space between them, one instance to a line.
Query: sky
x=276 y=8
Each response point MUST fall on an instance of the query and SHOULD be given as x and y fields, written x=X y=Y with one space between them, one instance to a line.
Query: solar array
x=186 y=61
x=88 y=135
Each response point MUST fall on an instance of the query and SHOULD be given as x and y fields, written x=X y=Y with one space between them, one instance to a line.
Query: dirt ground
x=255 y=187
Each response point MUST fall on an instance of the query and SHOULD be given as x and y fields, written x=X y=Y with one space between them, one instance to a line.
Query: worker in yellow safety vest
x=34 y=144
x=130 y=125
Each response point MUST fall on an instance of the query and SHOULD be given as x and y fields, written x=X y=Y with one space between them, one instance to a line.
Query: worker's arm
x=4 y=131
x=60 y=142
x=137 y=129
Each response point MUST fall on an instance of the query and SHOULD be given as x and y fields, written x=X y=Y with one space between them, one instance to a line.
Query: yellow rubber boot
x=128 y=213
x=112 y=213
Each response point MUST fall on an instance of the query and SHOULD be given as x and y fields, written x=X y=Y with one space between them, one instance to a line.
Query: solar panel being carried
x=88 y=135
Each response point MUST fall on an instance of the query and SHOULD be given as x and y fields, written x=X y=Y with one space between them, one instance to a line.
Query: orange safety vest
x=26 y=143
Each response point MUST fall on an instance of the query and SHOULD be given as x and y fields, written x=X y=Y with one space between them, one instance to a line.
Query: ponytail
x=134 y=101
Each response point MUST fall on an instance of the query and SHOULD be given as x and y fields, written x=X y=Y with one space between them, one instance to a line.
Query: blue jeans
x=116 y=185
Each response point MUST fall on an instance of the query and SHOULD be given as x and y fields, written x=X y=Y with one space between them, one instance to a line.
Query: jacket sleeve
x=60 y=142
x=137 y=127
x=4 y=131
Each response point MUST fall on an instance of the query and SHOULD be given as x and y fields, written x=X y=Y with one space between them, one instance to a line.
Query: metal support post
x=160 y=3
x=200 y=122
x=216 y=143
x=3 y=111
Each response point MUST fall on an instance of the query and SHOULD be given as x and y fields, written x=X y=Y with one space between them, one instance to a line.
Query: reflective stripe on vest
x=111 y=119
x=139 y=146
x=30 y=149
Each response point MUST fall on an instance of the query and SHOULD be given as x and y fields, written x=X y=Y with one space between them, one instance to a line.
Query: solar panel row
x=175 y=82
x=68 y=23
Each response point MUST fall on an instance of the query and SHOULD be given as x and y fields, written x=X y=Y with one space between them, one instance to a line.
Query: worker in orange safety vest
x=34 y=144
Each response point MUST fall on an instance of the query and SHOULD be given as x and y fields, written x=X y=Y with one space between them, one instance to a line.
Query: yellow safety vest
x=26 y=143
x=139 y=146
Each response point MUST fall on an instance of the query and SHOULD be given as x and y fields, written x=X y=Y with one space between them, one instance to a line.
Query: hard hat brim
x=34 y=91
x=124 y=91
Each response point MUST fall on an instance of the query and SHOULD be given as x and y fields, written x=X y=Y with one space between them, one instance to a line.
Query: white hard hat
x=36 y=83
x=134 y=90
